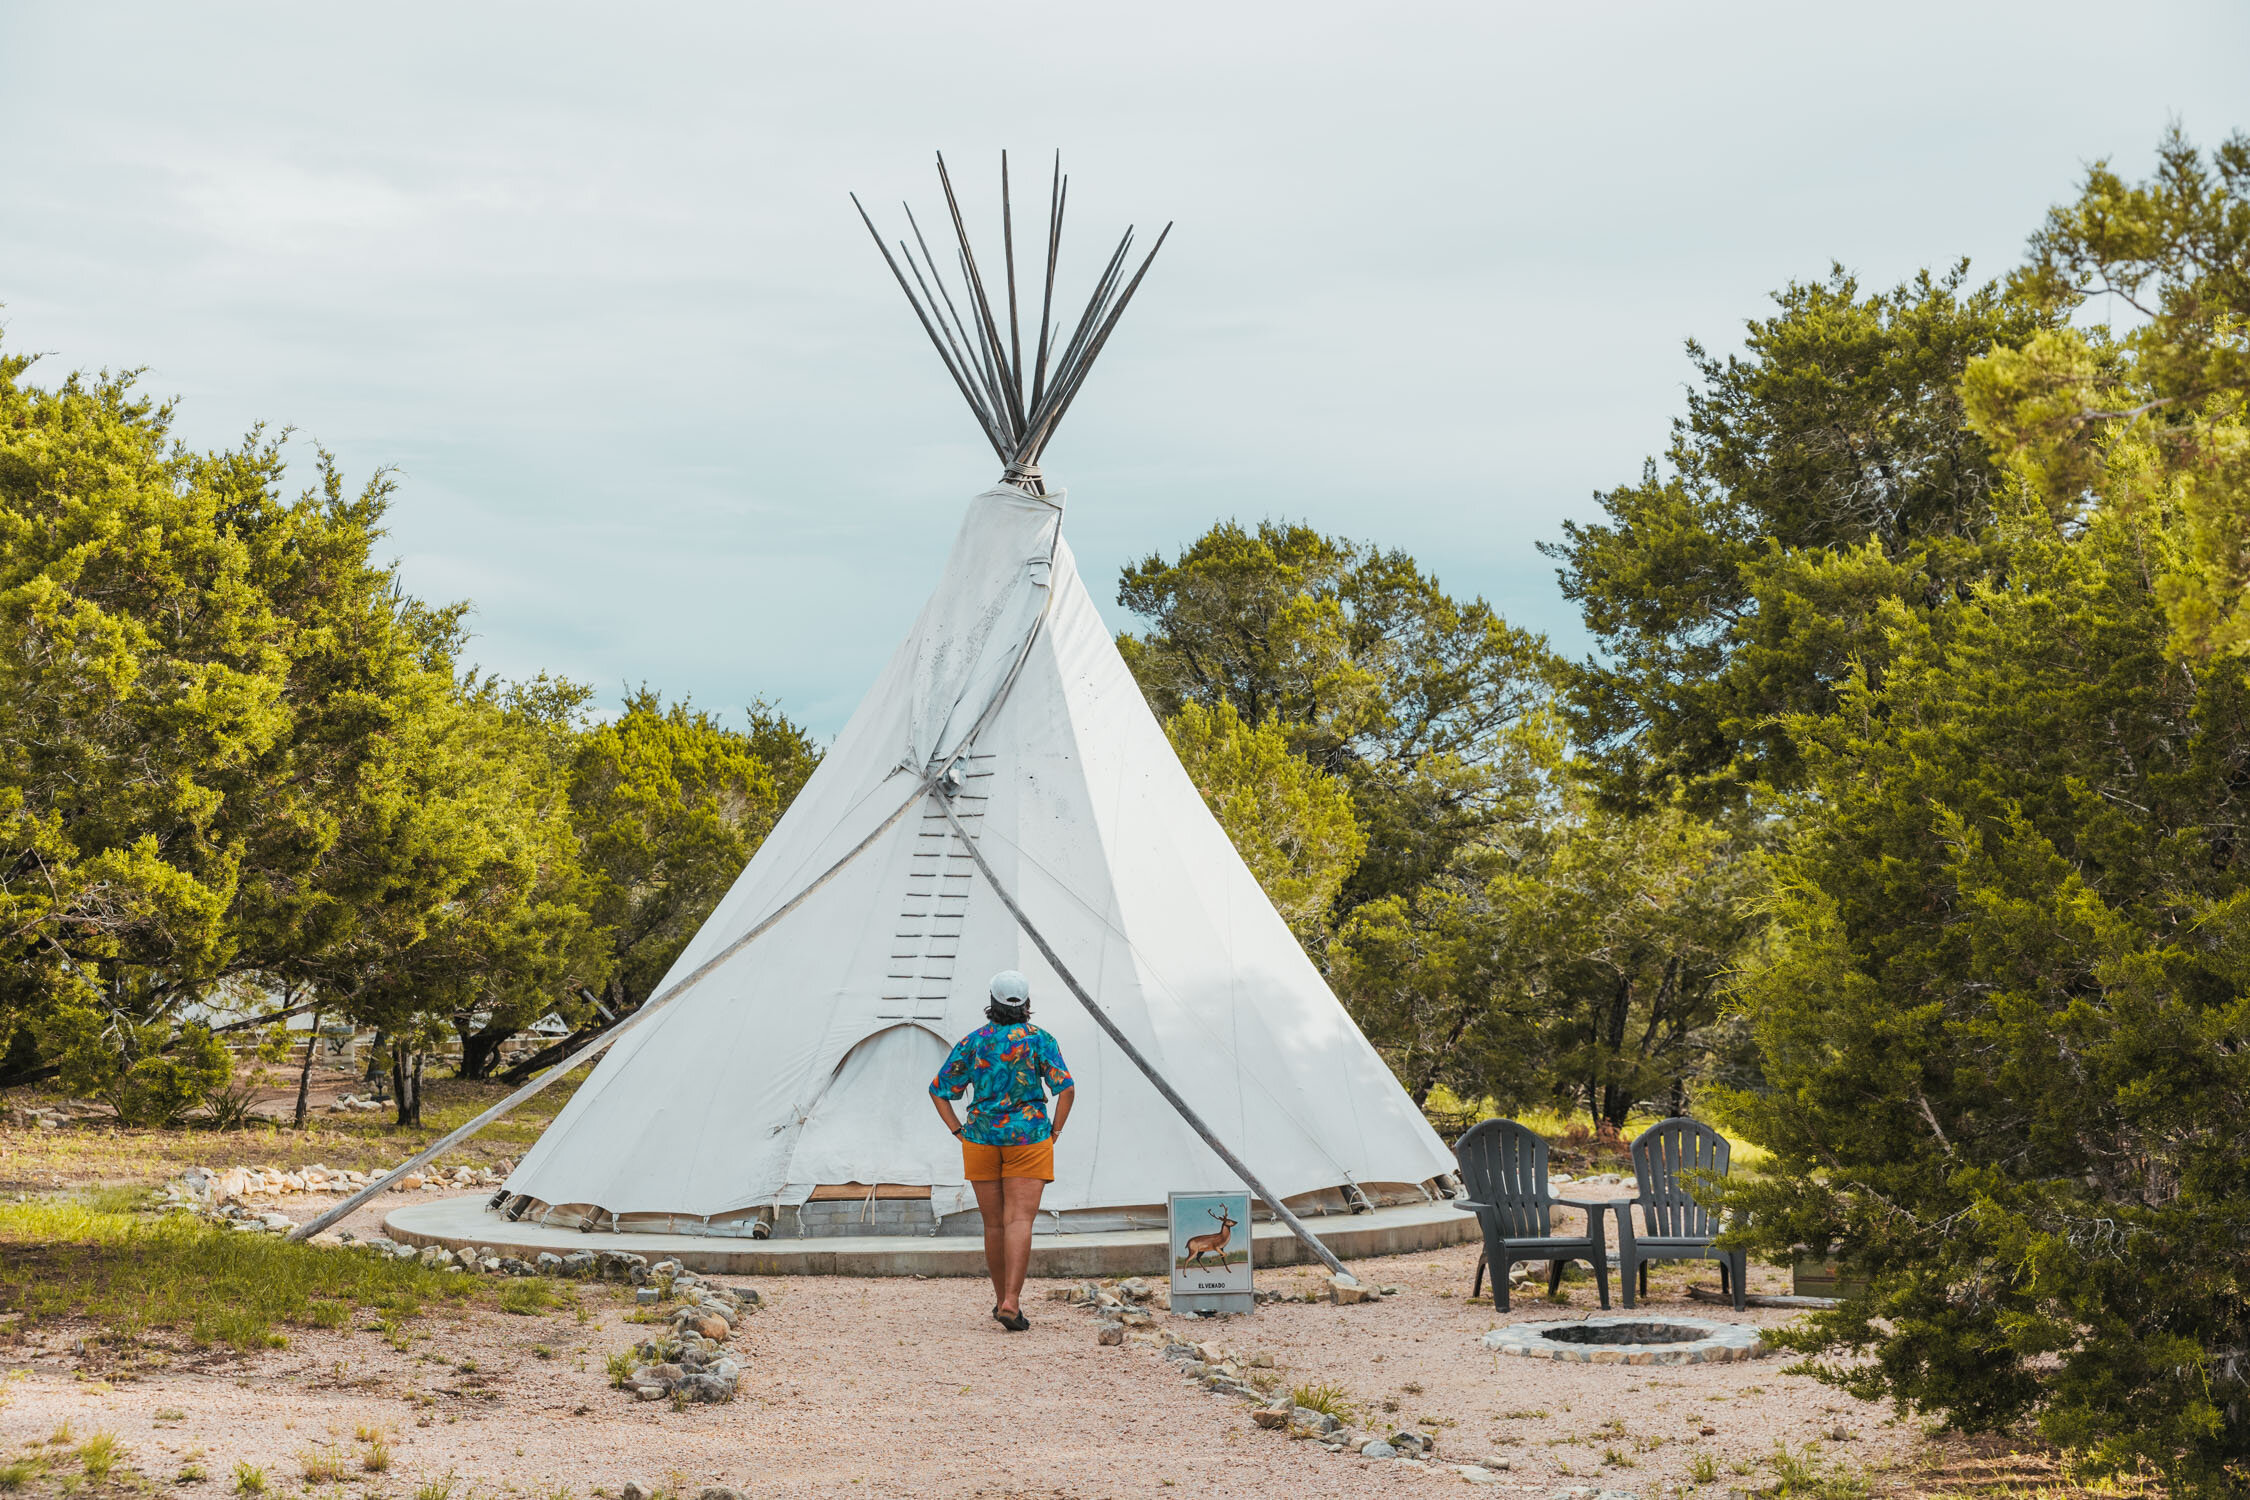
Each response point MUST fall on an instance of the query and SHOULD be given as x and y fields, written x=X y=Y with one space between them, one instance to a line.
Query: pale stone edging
x=1721 y=1342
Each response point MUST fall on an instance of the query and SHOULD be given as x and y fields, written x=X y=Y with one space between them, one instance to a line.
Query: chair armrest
x=1468 y=1207
x=1593 y=1206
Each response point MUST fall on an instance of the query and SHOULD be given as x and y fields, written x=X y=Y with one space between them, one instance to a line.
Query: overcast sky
x=588 y=278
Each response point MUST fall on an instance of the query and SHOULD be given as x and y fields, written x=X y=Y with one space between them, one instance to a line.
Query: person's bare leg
x=1022 y=1200
x=992 y=1208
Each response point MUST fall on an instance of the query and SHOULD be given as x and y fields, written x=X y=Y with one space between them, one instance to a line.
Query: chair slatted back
x=1661 y=1154
x=1505 y=1165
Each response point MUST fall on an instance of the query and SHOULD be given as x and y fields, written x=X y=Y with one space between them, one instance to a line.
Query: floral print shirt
x=1013 y=1069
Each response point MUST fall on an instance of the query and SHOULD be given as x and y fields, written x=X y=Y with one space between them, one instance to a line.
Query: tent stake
x=1234 y=1163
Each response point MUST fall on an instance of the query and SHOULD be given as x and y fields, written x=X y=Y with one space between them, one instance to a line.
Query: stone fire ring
x=1661 y=1339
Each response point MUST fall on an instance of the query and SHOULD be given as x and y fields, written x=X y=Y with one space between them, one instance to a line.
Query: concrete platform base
x=454 y=1222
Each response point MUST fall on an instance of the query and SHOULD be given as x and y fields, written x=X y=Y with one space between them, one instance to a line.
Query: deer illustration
x=1214 y=1242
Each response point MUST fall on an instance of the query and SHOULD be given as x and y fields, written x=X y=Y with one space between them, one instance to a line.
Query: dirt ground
x=906 y=1388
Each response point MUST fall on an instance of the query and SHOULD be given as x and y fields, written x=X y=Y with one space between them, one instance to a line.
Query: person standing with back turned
x=1007 y=1146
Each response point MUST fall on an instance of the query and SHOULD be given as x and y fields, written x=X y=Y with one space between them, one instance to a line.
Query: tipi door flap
x=872 y=1121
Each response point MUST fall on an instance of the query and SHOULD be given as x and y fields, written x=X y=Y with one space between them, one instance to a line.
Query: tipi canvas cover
x=1003 y=799
x=802 y=1061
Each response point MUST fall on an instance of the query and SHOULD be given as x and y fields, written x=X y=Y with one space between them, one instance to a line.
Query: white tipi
x=806 y=1018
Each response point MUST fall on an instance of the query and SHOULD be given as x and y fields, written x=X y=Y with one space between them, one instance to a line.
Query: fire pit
x=1667 y=1340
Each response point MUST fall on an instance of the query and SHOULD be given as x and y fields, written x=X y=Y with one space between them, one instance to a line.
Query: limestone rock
x=705 y=1387
x=1377 y=1448
x=635 y=1490
x=1345 y=1291
x=1108 y=1331
x=1271 y=1417
x=719 y=1492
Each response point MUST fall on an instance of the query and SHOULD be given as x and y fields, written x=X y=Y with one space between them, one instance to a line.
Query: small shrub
x=1703 y=1469
x=61 y=1437
x=170 y=1414
x=321 y=1465
x=367 y=1432
x=249 y=1479
x=18 y=1472
x=232 y=1107
x=621 y=1368
x=1614 y=1459
x=437 y=1489
x=1328 y=1400
x=377 y=1458
x=99 y=1454
x=191 y=1472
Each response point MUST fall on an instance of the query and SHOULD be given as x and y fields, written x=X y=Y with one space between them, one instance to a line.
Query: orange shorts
x=991 y=1163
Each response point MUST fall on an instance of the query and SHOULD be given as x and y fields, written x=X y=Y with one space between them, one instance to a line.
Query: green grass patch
x=323 y=1465
x=526 y=1298
x=18 y=1472
x=1450 y=1115
x=98 y=1456
x=1802 y=1476
x=1328 y=1400
x=135 y=1276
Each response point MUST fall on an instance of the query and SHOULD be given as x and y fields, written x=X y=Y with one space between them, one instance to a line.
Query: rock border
x=1721 y=1342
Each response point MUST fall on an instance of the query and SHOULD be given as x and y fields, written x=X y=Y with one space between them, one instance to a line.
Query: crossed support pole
x=935 y=785
x=1110 y=1028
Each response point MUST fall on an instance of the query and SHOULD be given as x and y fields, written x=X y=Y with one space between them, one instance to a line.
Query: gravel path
x=905 y=1388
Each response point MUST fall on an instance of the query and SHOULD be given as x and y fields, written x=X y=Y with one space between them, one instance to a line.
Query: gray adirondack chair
x=1675 y=1226
x=1504 y=1167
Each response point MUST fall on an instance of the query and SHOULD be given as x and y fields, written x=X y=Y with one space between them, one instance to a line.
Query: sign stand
x=1209 y=1257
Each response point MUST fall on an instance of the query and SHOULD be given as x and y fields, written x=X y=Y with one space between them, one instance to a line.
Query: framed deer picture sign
x=1210 y=1255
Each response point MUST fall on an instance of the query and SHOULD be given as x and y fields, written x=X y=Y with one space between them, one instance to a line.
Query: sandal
x=1014 y=1322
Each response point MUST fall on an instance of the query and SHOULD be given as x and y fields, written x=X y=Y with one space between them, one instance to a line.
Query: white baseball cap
x=1010 y=988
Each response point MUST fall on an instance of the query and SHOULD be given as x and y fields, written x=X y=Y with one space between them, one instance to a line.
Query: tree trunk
x=480 y=1050
x=1439 y=1055
x=1616 y=1101
x=304 y=1077
x=406 y=1086
x=374 y=1051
